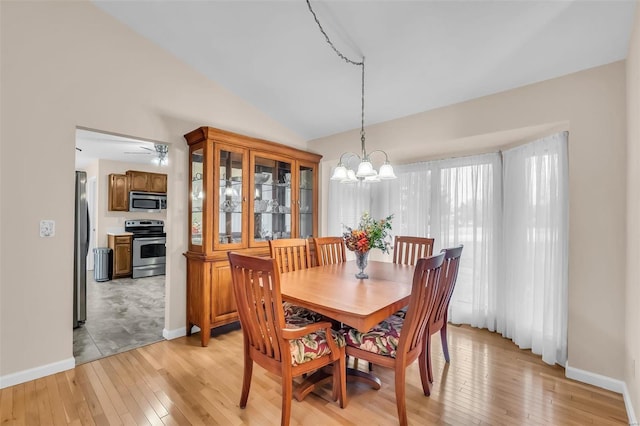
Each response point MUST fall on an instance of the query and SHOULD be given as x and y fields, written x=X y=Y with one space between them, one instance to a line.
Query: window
x=510 y=212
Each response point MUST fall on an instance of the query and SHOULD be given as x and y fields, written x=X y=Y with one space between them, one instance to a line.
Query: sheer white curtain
x=533 y=298
x=410 y=200
x=346 y=204
x=510 y=214
x=456 y=201
x=467 y=210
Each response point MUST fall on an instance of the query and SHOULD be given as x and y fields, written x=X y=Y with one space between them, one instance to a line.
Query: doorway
x=124 y=313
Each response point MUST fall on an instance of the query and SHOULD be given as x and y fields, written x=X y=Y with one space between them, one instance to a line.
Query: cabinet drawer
x=123 y=239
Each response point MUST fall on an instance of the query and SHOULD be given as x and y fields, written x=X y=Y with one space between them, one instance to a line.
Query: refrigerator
x=80 y=250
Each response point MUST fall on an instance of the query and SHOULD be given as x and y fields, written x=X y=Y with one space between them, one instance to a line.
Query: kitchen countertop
x=116 y=231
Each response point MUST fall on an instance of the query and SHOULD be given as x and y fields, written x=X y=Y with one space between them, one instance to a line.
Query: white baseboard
x=36 y=373
x=594 y=379
x=629 y=406
x=604 y=382
x=174 y=334
x=178 y=332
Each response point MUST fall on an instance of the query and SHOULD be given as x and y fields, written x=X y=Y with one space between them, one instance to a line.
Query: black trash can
x=102 y=261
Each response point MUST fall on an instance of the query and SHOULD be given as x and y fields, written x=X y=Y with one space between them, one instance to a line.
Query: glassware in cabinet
x=307 y=223
x=229 y=211
x=272 y=200
x=197 y=195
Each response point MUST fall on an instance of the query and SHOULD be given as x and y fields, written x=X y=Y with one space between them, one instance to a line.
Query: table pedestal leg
x=320 y=377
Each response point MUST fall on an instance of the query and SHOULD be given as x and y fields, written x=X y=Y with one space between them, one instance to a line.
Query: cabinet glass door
x=306 y=199
x=271 y=199
x=197 y=196
x=230 y=205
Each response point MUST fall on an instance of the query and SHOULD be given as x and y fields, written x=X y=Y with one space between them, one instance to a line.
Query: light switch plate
x=47 y=228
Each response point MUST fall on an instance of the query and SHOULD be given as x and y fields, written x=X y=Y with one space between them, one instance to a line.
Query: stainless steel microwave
x=147 y=201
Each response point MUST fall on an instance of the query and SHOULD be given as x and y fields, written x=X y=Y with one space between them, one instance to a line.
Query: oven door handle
x=148 y=238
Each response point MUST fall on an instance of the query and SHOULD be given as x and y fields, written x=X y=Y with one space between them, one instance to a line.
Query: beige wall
x=68 y=64
x=632 y=349
x=592 y=106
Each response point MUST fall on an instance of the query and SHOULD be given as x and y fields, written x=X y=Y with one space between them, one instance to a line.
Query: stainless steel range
x=149 y=247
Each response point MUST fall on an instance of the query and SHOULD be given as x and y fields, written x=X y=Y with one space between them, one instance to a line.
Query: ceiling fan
x=149 y=151
x=161 y=150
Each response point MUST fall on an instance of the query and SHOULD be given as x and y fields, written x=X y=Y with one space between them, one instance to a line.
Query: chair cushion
x=382 y=339
x=311 y=346
x=291 y=310
x=401 y=313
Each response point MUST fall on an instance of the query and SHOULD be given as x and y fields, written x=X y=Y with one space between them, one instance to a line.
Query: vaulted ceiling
x=420 y=55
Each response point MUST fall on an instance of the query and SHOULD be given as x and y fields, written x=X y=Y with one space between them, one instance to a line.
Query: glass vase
x=361 y=262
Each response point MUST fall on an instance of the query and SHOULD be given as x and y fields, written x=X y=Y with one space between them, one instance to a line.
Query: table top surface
x=334 y=291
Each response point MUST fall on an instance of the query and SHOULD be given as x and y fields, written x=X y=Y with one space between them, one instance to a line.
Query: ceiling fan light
x=386 y=172
x=162 y=150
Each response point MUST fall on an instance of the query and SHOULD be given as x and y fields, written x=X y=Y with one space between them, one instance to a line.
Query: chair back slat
x=407 y=250
x=426 y=278
x=256 y=287
x=447 y=285
x=330 y=250
x=291 y=254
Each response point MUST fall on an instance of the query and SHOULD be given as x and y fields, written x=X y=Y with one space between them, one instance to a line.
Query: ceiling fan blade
x=144 y=147
x=145 y=153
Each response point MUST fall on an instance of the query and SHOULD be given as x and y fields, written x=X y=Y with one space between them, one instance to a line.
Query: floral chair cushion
x=401 y=313
x=382 y=339
x=291 y=310
x=311 y=346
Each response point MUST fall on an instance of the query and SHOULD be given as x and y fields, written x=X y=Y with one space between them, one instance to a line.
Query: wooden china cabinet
x=243 y=192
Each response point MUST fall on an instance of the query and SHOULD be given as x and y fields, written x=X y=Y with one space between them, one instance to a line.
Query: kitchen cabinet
x=147 y=181
x=121 y=246
x=133 y=180
x=243 y=192
x=118 y=192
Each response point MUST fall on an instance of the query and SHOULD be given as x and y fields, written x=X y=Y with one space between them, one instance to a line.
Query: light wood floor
x=489 y=381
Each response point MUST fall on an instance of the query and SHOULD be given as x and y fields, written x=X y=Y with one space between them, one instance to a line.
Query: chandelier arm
x=386 y=156
x=352 y=154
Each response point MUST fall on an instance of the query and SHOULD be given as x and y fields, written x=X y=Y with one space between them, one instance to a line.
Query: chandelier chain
x=343 y=57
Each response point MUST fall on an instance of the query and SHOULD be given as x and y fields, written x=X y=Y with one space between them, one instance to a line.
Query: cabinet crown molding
x=218 y=135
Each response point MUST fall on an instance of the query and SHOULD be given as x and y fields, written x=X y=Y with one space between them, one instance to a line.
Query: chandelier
x=364 y=170
x=162 y=151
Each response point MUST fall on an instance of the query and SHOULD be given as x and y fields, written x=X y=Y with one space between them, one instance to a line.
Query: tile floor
x=122 y=314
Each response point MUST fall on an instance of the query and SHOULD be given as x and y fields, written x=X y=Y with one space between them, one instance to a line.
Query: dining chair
x=407 y=250
x=396 y=342
x=292 y=254
x=330 y=250
x=439 y=314
x=280 y=348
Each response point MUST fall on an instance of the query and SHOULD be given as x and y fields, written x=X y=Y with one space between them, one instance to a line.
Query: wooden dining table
x=334 y=291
